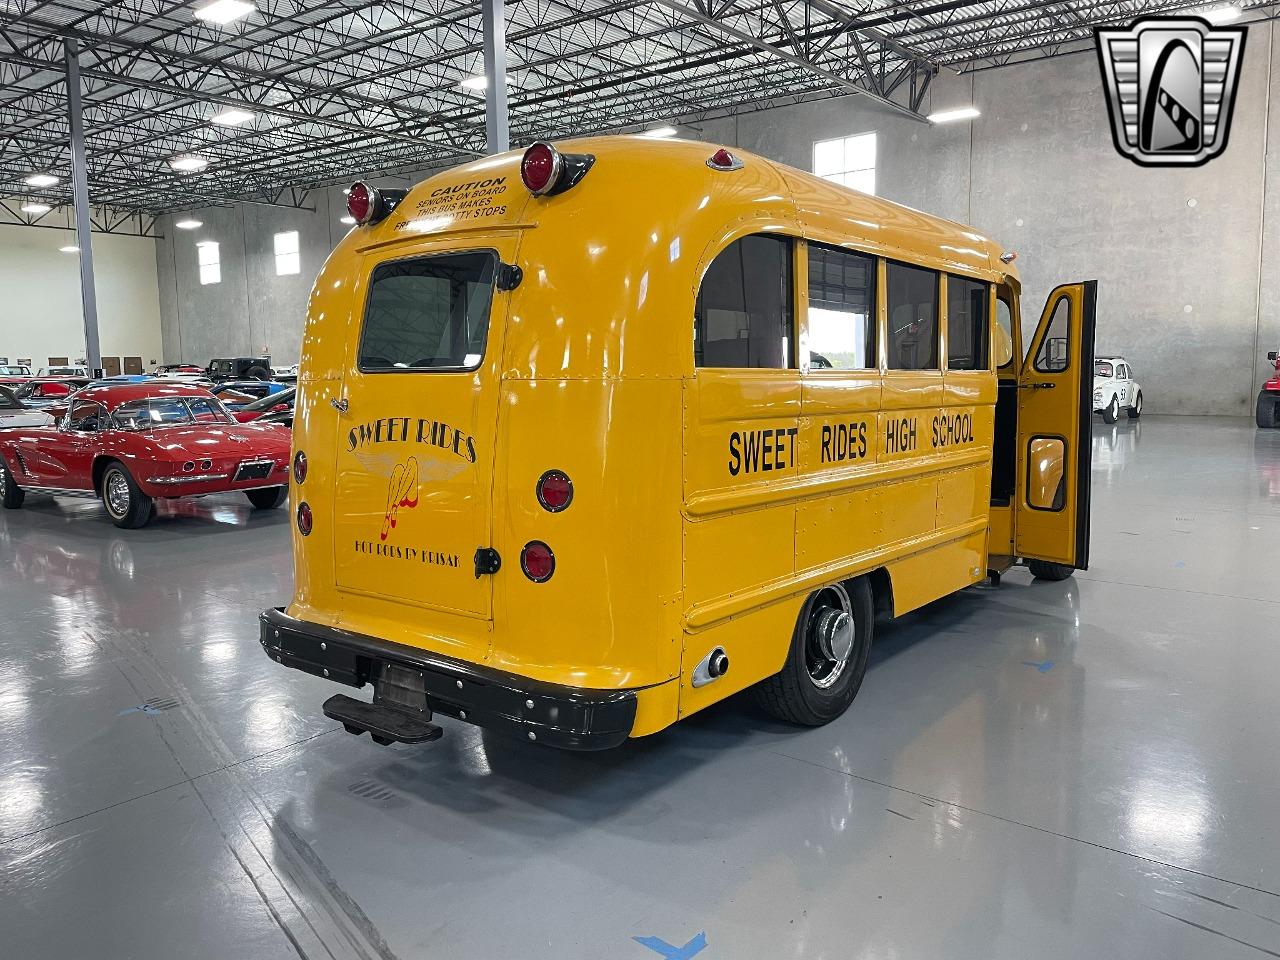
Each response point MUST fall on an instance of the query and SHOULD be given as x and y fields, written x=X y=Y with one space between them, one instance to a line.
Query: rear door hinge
x=509 y=276
x=487 y=561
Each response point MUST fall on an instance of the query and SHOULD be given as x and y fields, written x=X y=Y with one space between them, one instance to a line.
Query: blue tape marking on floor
x=690 y=949
x=1179 y=563
x=146 y=708
x=1043 y=666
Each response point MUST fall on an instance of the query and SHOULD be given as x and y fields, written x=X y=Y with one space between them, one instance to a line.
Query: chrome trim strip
x=190 y=478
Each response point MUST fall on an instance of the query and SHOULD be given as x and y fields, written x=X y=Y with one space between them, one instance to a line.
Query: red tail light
x=540 y=168
x=555 y=490
x=361 y=201
x=304 y=518
x=537 y=561
x=722 y=159
x=299 y=467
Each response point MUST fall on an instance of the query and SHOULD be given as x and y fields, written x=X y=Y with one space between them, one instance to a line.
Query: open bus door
x=1055 y=409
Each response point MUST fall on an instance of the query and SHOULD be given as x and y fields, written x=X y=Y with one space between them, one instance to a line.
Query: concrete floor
x=1082 y=769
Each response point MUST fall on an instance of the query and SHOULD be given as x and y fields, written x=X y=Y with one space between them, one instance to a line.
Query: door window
x=1052 y=356
x=428 y=313
x=912 y=297
x=86 y=416
x=742 y=317
x=967 y=308
x=841 y=317
x=1046 y=477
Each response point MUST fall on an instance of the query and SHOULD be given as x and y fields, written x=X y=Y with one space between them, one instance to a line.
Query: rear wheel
x=11 y=495
x=267 y=498
x=127 y=506
x=258 y=373
x=1268 y=407
x=1112 y=412
x=827 y=659
x=1045 y=570
x=1136 y=410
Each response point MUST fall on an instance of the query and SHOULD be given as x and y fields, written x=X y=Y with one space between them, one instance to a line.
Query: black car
x=239 y=368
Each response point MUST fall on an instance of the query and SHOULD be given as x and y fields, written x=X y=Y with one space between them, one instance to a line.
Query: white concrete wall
x=1188 y=261
x=40 y=309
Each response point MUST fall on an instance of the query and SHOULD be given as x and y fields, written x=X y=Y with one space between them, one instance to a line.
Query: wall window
x=842 y=297
x=210 y=261
x=967 y=306
x=848 y=160
x=288 y=260
x=912 y=297
x=742 y=317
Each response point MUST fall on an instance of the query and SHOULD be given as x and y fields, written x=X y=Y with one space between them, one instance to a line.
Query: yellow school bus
x=591 y=437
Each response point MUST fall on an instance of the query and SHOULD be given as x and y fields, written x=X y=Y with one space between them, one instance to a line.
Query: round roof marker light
x=537 y=561
x=540 y=168
x=555 y=491
x=362 y=201
x=299 y=467
x=723 y=160
x=304 y=518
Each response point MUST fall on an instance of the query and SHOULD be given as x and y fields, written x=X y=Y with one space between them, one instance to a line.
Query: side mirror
x=1273 y=355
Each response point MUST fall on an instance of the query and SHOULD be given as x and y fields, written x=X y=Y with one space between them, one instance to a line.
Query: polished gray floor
x=1084 y=769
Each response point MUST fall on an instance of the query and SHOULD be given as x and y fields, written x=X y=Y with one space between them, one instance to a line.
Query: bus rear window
x=429 y=313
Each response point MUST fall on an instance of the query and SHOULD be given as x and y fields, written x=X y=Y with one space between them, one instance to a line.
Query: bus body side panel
x=609 y=616
x=741 y=431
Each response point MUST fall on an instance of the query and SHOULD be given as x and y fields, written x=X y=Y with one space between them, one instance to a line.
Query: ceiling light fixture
x=1222 y=14
x=660 y=133
x=41 y=180
x=36 y=208
x=189 y=224
x=223 y=12
x=231 y=117
x=960 y=113
x=189 y=163
x=478 y=82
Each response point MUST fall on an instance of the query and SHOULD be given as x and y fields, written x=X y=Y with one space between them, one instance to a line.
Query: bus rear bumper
x=572 y=718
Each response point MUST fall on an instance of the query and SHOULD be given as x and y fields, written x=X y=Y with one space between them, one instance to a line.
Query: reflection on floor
x=1082 y=769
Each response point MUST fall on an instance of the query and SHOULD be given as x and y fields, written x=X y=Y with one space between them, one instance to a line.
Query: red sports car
x=1269 y=396
x=133 y=443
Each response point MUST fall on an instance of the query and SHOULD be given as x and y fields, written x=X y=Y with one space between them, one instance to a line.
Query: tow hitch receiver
x=385 y=724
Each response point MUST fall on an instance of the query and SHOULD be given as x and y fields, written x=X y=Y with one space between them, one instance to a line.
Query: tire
x=258 y=373
x=125 y=503
x=1112 y=412
x=11 y=495
x=267 y=498
x=809 y=691
x=1135 y=411
x=1044 y=570
x=1268 y=407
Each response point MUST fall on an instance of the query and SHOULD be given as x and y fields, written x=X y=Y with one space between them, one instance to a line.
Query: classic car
x=48 y=392
x=64 y=371
x=1268 y=410
x=11 y=373
x=235 y=394
x=1113 y=388
x=15 y=413
x=132 y=444
x=280 y=401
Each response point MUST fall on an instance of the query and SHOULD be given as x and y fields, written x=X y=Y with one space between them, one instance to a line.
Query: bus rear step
x=385 y=724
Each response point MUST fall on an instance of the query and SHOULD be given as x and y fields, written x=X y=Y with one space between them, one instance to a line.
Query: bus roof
x=677 y=170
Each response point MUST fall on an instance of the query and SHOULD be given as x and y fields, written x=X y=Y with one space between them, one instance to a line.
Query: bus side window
x=742 y=317
x=967 y=302
x=912 y=296
x=842 y=321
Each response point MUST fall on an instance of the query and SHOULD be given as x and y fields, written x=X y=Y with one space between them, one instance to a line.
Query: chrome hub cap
x=829 y=637
x=4 y=481
x=117 y=494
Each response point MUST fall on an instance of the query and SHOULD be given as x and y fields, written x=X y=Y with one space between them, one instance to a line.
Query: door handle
x=1042 y=385
x=339 y=403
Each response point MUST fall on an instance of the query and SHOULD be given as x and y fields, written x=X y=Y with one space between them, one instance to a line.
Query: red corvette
x=133 y=443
